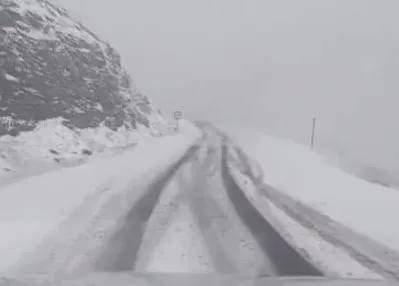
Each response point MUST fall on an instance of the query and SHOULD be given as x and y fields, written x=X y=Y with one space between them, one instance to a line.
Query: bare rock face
x=51 y=66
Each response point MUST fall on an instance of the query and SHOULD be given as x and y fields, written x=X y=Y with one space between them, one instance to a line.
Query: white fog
x=267 y=65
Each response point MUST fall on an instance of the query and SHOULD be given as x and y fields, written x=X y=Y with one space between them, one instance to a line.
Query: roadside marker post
x=313 y=133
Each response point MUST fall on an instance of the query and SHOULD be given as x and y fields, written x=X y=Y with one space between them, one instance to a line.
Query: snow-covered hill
x=63 y=91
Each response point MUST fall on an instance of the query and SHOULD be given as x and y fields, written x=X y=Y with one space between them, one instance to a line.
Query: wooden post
x=313 y=133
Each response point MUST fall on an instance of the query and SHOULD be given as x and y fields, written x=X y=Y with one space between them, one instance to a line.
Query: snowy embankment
x=52 y=145
x=326 y=205
x=33 y=210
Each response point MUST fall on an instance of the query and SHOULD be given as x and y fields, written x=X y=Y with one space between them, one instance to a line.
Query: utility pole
x=313 y=133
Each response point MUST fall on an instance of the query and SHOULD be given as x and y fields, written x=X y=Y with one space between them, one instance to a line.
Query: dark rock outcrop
x=51 y=66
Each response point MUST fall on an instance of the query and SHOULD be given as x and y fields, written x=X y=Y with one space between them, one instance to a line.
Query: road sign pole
x=178 y=115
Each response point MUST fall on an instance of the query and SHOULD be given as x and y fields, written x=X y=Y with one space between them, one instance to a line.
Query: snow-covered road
x=195 y=219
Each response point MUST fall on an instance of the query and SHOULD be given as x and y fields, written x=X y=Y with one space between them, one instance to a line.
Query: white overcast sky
x=268 y=64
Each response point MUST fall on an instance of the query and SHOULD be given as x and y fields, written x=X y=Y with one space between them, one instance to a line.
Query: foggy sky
x=271 y=65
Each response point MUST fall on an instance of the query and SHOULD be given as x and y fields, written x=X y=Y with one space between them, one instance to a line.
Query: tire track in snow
x=120 y=253
x=232 y=248
x=188 y=186
x=162 y=217
x=229 y=246
x=237 y=241
x=201 y=205
x=173 y=201
x=286 y=261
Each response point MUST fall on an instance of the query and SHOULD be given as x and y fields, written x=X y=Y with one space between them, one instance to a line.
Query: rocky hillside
x=63 y=91
x=52 y=66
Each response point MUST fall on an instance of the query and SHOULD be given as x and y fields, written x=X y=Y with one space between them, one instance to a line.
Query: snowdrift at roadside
x=333 y=261
x=367 y=208
x=51 y=144
x=354 y=214
x=32 y=209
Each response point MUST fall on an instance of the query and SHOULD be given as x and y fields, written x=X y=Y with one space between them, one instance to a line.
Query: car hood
x=183 y=279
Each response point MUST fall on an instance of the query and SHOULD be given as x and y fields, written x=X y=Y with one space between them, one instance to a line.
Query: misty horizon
x=267 y=65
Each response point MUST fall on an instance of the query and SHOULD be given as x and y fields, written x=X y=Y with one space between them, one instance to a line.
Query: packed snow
x=172 y=242
x=181 y=250
x=32 y=209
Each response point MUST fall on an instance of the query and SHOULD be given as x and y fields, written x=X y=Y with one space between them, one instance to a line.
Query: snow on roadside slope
x=33 y=208
x=52 y=144
x=333 y=261
x=366 y=208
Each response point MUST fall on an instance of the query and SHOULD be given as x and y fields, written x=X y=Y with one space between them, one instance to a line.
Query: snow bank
x=52 y=144
x=33 y=208
x=333 y=261
x=367 y=208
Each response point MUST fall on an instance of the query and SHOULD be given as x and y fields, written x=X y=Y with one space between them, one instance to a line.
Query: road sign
x=178 y=115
